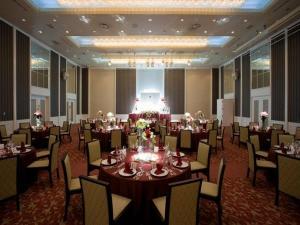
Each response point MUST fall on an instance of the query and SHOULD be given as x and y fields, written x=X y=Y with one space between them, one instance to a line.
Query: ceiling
x=55 y=27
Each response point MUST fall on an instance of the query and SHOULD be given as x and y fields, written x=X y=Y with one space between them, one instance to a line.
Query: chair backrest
x=244 y=134
x=24 y=125
x=17 y=139
x=163 y=133
x=182 y=203
x=97 y=202
x=277 y=126
x=171 y=141
x=55 y=131
x=156 y=126
x=132 y=138
x=82 y=122
x=297 y=134
x=222 y=132
x=116 y=138
x=216 y=124
x=212 y=138
x=274 y=136
x=185 y=138
x=286 y=139
x=236 y=127
x=3 y=132
x=220 y=178
x=26 y=131
x=66 y=165
x=94 y=151
x=254 y=139
x=251 y=156
x=203 y=154
x=65 y=126
x=209 y=126
x=9 y=177
x=87 y=133
x=52 y=139
x=54 y=156
x=288 y=169
x=49 y=123
x=126 y=124
x=253 y=124
x=87 y=126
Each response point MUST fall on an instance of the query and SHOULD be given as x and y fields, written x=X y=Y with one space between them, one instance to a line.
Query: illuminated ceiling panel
x=151 y=6
x=149 y=42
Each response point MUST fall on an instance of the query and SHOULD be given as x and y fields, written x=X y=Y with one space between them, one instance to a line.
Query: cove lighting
x=150 y=41
x=150 y=6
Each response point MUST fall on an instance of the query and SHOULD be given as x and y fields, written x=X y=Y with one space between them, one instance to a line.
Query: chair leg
x=222 y=144
x=66 y=206
x=254 y=178
x=219 y=213
x=248 y=171
x=57 y=173
x=277 y=198
x=18 y=202
x=50 y=178
x=207 y=175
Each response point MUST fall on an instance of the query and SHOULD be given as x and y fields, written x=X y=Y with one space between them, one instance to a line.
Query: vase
x=38 y=122
x=263 y=124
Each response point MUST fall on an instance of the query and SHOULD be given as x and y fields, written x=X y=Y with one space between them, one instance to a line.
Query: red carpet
x=242 y=204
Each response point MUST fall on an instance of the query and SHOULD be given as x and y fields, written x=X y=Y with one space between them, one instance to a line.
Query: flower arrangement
x=148 y=135
x=200 y=115
x=263 y=116
x=141 y=124
x=100 y=114
x=38 y=115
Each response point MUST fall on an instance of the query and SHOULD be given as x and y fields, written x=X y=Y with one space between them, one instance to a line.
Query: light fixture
x=94 y=31
x=177 y=31
x=232 y=32
x=54 y=20
x=40 y=31
x=205 y=32
x=84 y=19
x=109 y=63
x=149 y=20
x=24 y=20
x=181 y=19
x=149 y=31
x=122 y=31
x=245 y=20
x=223 y=20
x=67 y=31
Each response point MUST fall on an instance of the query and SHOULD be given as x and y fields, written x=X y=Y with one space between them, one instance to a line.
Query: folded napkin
x=109 y=159
x=127 y=168
x=159 y=167
x=177 y=152
x=179 y=162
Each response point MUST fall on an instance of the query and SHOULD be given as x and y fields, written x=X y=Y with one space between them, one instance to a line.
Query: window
x=40 y=65
x=71 y=82
x=228 y=80
x=260 y=67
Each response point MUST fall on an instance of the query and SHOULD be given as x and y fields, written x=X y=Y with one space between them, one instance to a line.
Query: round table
x=142 y=189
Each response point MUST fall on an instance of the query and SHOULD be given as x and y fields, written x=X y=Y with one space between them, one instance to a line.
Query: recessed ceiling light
x=245 y=20
x=40 y=31
x=94 y=31
x=23 y=20
x=84 y=19
x=177 y=31
x=214 y=20
x=181 y=19
x=149 y=31
x=67 y=32
x=109 y=63
x=122 y=31
x=205 y=32
x=232 y=32
x=54 y=20
x=259 y=32
x=149 y=20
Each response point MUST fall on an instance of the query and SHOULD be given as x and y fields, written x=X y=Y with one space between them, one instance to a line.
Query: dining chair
x=253 y=124
x=93 y=155
x=254 y=139
x=277 y=126
x=185 y=139
x=48 y=123
x=49 y=164
x=220 y=138
x=132 y=139
x=244 y=135
x=55 y=131
x=67 y=132
x=212 y=139
x=100 y=206
x=24 y=125
x=72 y=185
x=9 y=177
x=274 y=136
x=156 y=127
x=297 y=134
x=202 y=163
x=235 y=131
x=171 y=141
x=288 y=178
x=213 y=191
x=181 y=204
x=255 y=164
x=3 y=134
x=286 y=139
x=17 y=139
x=80 y=137
x=209 y=126
x=215 y=124
x=126 y=124
x=163 y=133
x=87 y=126
x=26 y=131
x=82 y=122
x=65 y=126
x=46 y=152
x=116 y=138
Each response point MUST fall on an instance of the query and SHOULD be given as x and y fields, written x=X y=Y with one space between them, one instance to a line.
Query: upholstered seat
x=254 y=139
x=160 y=204
x=171 y=141
x=202 y=163
x=39 y=163
x=46 y=152
x=93 y=155
x=265 y=163
x=195 y=165
x=204 y=140
x=209 y=188
x=75 y=183
x=119 y=203
x=96 y=162
x=262 y=154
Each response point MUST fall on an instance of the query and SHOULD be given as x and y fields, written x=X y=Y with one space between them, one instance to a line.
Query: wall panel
x=237 y=91
x=63 y=103
x=54 y=76
x=175 y=90
x=85 y=91
x=6 y=72
x=78 y=89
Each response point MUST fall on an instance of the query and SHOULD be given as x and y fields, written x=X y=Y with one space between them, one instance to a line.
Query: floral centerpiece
x=200 y=115
x=38 y=115
x=263 y=116
x=148 y=137
x=188 y=119
x=111 y=118
x=141 y=124
x=100 y=114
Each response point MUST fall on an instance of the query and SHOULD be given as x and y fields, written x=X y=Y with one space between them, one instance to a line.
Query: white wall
x=198 y=83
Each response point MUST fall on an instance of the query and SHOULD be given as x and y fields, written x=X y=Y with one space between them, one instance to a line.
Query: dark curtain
x=215 y=89
x=85 y=91
x=237 y=84
x=63 y=103
x=246 y=85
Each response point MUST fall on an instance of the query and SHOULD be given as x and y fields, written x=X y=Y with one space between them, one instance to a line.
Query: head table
x=143 y=186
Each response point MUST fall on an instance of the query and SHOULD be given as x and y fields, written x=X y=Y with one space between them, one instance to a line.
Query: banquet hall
x=147 y=112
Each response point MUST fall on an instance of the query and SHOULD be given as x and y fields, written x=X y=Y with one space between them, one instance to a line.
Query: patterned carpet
x=242 y=204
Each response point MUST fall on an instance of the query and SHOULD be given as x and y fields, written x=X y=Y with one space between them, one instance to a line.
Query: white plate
x=175 y=154
x=114 y=152
x=26 y=146
x=105 y=162
x=27 y=150
x=163 y=174
x=183 y=165
x=278 y=146
x=123 y=174
x=288 y=152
